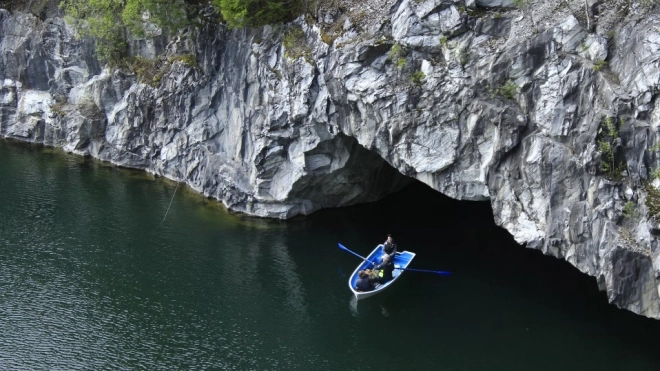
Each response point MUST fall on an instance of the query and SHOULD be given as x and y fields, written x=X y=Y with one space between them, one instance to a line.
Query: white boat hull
x=401 y=260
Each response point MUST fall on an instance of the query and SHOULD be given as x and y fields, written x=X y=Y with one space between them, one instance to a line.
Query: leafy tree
x=255 y=13
x=170 y=15
x=109 y=20
x=104 y=24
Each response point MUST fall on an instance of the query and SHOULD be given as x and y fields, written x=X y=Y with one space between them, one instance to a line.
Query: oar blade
x=444 y=273
x=352 y=252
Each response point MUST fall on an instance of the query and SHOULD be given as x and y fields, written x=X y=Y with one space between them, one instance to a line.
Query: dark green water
x=90 y=279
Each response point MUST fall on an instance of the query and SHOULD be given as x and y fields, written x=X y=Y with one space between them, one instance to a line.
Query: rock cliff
x=548 y=109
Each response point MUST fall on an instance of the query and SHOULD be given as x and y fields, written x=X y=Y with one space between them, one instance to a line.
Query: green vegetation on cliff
x=255 y=13
x=103 y=23
x=607 y=146
x=110 y=22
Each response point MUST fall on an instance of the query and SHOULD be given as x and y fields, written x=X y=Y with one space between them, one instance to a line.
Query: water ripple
x=90 y=279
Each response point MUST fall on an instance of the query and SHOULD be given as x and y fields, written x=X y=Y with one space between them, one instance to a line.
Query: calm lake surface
x=92 y=278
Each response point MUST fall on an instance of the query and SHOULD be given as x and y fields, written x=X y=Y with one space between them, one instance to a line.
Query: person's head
x=389 y=237
x=362 y=274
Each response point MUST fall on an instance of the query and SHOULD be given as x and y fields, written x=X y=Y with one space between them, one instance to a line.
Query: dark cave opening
x=462 y=237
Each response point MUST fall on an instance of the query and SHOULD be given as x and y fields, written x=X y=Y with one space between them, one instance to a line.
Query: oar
x=444 y=273
x=359 y=256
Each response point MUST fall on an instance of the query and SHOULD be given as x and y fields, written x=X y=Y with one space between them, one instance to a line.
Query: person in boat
x=373 y=275
x=364 y=282
x=385 y=269
x=389 y=246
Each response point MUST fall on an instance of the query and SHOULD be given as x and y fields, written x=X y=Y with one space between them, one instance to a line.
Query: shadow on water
x=499 y=291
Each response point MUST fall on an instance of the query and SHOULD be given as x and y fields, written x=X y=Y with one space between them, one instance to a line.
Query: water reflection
x=371 y=306
x=285 y=267
x=90 y=279
x=353 y=306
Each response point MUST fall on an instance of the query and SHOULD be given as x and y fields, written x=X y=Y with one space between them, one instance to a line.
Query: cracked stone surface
x=482 y=101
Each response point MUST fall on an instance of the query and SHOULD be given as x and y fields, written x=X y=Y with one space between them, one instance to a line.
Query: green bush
x=188 y=59
x=104 y=23
x=508 y=90
x=655 y=174
x=148 y=71
x=463 y=55
x=397 y=55
x=653 y=201
x=330 y=37
x=296 y=44
x=255 y=13
x=417 y=77
x=108 y=21
x=599 y=65
x=606 y=146
x=293 y=37
x=111 y=21
x=629 y=210
x=170 y=15
x=396 y=52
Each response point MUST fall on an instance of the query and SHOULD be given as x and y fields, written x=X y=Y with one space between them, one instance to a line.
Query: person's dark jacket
x=389 y=248
x=364 y=284
x=385 y=270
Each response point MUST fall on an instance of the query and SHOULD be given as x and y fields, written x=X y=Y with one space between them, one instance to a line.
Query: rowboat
x=401 y=261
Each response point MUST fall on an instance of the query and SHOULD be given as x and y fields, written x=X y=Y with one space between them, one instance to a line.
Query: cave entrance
x=341 y=172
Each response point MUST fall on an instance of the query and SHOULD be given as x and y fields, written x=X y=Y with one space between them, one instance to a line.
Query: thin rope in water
x=168 y=207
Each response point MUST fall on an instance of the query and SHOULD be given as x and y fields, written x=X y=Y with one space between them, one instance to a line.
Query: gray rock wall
x=479 y=100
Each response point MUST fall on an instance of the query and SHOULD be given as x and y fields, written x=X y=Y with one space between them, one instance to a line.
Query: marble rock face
x=479 y=100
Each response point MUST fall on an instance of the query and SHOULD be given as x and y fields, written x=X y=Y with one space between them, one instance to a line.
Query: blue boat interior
x=401 y=260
